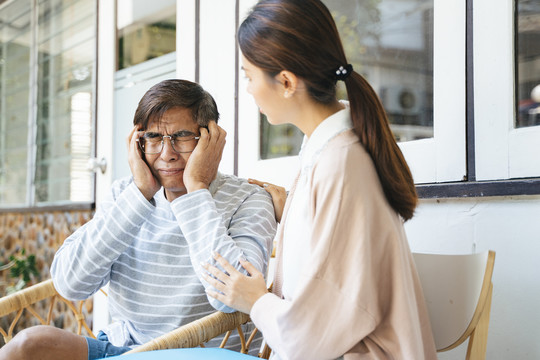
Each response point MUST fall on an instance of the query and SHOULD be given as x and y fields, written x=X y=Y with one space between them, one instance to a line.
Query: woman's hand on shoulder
x=278 y=193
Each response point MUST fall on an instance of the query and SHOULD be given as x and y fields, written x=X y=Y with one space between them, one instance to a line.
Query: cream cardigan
x=358 y=293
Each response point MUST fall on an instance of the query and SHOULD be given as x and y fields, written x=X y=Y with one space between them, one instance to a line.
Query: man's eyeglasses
x=152 y=143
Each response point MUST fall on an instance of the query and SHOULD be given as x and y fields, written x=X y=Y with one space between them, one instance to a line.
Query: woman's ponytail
x=372 y=128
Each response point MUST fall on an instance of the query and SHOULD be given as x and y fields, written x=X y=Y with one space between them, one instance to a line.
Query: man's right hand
x=142 y=175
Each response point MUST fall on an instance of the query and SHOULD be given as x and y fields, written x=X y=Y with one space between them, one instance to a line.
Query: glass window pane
x=528 y=63
x=389 y=42
x=278 y=140
x=47 y=80
x=15 y=48
x=146 y=30
x=66 y=54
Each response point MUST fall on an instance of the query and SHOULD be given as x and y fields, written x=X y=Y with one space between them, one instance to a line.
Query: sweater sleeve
x=249 y=233
x=336 y=304
x=83 y=263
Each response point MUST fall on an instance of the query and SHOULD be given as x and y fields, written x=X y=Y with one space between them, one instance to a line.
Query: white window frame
x=217 y=48
x=281 y=171
x=502 y=151
x=438 y=159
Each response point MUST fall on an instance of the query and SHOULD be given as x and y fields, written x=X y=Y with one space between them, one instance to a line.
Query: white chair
x=458 y=290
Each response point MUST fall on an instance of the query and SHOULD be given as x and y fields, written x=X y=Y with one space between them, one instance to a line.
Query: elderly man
x=156 y=228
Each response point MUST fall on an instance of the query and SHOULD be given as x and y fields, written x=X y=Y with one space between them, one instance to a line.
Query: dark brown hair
x=301 y=36
x=172 y=93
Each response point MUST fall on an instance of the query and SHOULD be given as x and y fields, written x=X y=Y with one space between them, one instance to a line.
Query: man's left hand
x=201 y=168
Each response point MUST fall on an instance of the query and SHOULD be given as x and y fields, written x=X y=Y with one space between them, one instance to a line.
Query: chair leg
x=478 y=339
x=265 y=354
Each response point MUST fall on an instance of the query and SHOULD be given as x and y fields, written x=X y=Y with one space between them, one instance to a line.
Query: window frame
x=480 y=181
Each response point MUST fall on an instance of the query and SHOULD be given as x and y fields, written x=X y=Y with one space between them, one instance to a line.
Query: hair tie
x=343 y=72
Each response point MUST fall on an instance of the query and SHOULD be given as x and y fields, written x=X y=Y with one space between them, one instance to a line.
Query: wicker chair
x=26 y=299
x=193 y=334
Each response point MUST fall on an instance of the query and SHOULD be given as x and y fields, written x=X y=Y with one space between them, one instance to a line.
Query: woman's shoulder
x=345 y=164
x=345 y=154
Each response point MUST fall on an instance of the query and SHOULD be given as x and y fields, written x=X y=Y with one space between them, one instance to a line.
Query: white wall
x=510 y=226
x=216 y=67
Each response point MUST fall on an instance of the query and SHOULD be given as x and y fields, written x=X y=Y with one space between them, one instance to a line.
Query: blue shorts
x=101 y=347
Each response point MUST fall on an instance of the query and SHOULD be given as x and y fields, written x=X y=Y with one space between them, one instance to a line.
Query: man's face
x=168 y=166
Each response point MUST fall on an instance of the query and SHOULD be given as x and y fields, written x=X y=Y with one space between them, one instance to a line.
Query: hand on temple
x=142 y=175
x=201 y=168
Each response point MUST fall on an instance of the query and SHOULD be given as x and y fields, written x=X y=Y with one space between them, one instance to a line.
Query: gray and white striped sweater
x=150 y=253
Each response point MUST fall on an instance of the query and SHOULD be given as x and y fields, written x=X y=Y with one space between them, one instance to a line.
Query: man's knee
x=27 y=342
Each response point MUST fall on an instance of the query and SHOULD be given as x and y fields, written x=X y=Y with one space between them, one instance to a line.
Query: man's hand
x=202 y=165
x=142 y=175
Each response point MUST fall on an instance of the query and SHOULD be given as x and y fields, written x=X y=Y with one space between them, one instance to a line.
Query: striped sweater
x=150 y=253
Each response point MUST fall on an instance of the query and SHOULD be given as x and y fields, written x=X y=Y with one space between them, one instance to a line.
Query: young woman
x=345 y=283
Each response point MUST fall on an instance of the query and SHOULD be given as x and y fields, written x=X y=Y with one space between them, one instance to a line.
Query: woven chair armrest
x=196 y=332
x=26 y=297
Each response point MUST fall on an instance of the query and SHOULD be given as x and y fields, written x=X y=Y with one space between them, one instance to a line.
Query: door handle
x=94 y=165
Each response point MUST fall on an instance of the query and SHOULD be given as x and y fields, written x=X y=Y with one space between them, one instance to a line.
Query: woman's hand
x=236 y=290
x=142 y=175
x=279 y=196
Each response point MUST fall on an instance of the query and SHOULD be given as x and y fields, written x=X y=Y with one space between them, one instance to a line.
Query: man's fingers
x=212 y=136
x=216 y=132
x=205 y=136
x=132 y=135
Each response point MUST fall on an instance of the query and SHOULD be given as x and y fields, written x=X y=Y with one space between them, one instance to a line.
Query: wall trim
x=49 y=208
x=467 y=189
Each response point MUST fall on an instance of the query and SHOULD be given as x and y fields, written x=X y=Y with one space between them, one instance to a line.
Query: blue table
x=190 y=354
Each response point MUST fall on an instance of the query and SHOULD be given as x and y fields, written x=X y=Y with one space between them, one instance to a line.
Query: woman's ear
x=289 y=82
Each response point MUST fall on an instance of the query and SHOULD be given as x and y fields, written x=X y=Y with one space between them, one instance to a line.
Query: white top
x=298 y=225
